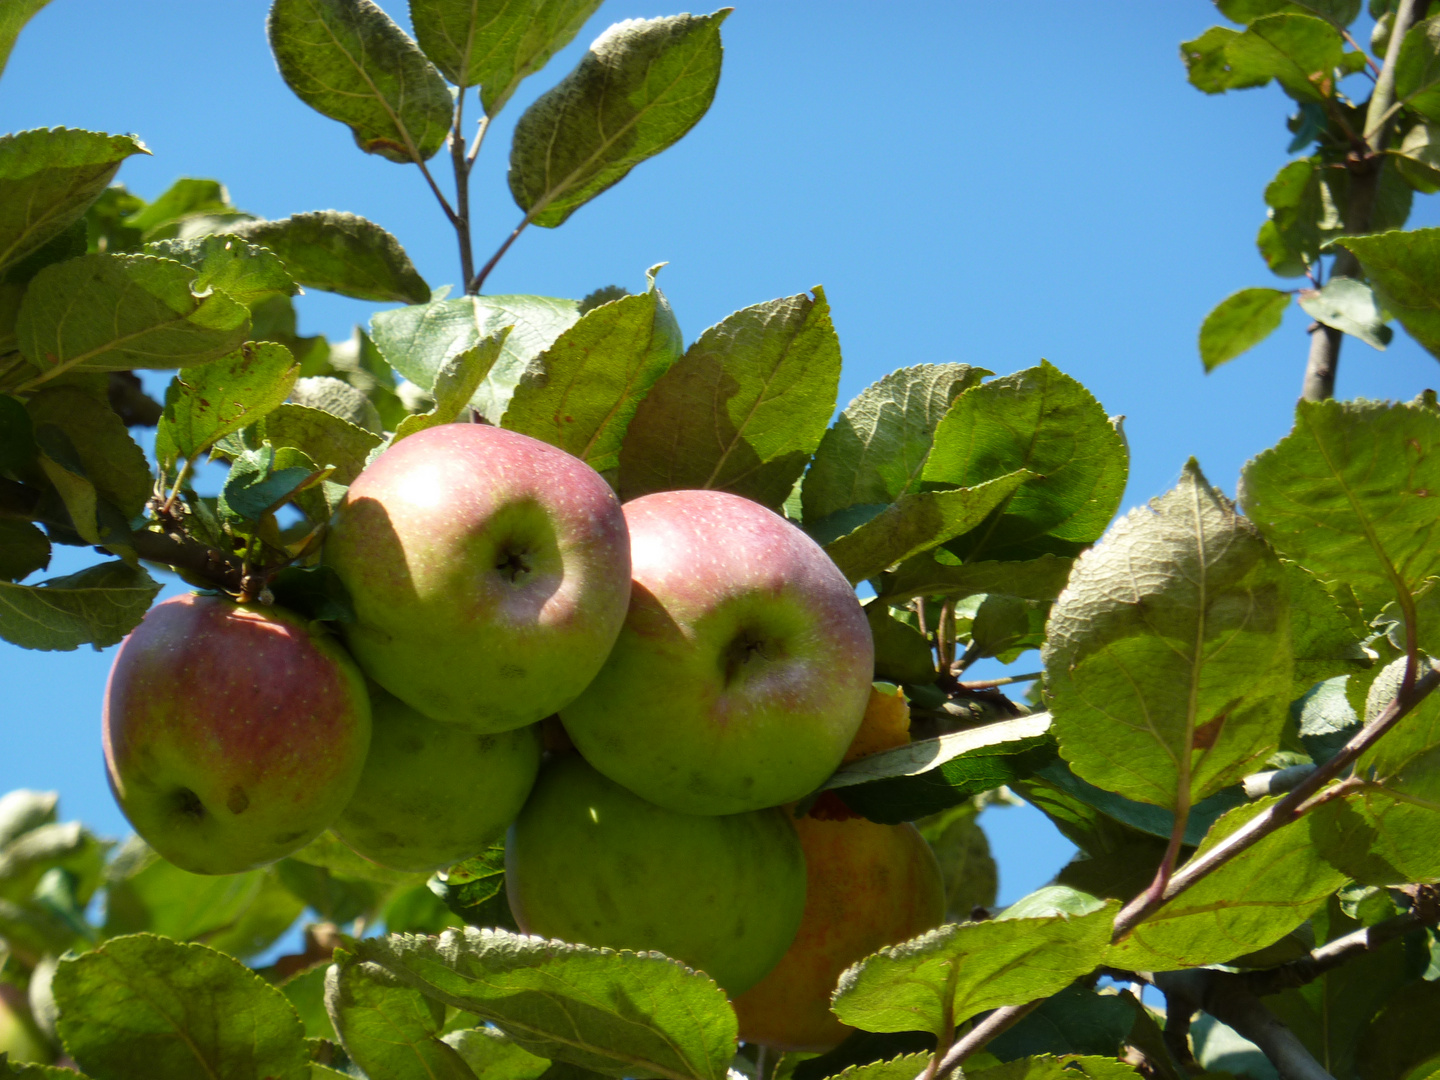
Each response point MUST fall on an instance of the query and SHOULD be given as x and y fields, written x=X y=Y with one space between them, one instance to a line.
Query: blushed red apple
x=867 y=886
x=589 y=862
x=489 y=571
x=434 y=793
x=744 y=666
x=233 y=734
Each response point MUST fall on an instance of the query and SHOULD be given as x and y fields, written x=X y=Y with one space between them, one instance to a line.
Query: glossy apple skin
x=432 y=793
x=490 y=573
x=867 y=886
x=233 y=734
x=744 y=666
x=589 y=862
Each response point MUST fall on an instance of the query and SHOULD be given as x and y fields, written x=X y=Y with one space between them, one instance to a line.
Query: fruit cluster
x=708 y=662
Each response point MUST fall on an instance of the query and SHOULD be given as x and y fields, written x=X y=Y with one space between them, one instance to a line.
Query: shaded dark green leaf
x=347 y=60
x=96 y=606
x=1171 y=644
x=316 y=592
x=642 y=85
x=1042 y=420
x=417 y=340
x=340 y=253
x=327 y=440
x=1077 y=1020
x=1339 y=13
x=23 y=549
x=388 y=1028
x=583 y=391
x=114 y=312
x=743 y=409
x=1240 y=322
x=1042 y=578
x=188 y=197
x=617 y=1013
x=475 y=890
x=925 y=777
x=1403 y=268
x=148 y=1008
x=48 y=177
x=902 y=653
x=1417 y=71
x=490 y=1054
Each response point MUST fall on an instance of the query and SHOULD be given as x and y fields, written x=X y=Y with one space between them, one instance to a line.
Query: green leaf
x=643 y=84
x=1346 y=494
x=114 y=312
x=48 y=177
x=494 y=1056
x=1400 y=1037
x=1042 y=420
x=616 y=1013
x=61 y=464
x=388 y=1028
x=1169 y=658
x=1042 y=578
x=1212 y=67
x=1350 y=306
x=22 y=810
x=245 y=272
x=494 y=44
x=1414 y=734
x=340 y=253
x=1300 y=52
x=13 y=17
x=962 y=969
x=876 y=450
x=583 y=391
x=17 y=435
x=337 y=897
x=931 y=775
x=1417 y=71
x=743 y=409
x=259 y=482
x=347 y=60
x=148 y=1008
x=1250 y=902
x=1076 y=1020
x=1321 y=638
x=107 y=455
x=23 y=549
x=916 y=523
x=475 y=890
x=455 y=384
x=902 y=653
x=417 y=340
x=188 y=197
x=1306 y=201
x=904 y=1067
x=27 y=861
x=963 y=852
x=97 y=606
x=1402 y=268
x=205 y=405
x=1417 y=159
x=327 y=440
x=1339 y=13
x=1240 y=322
x=316 y=592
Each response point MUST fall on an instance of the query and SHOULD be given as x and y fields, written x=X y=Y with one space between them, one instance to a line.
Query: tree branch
x=1227 y=998
x=1288 y=809
x=1365 y=163
x=977 y=1037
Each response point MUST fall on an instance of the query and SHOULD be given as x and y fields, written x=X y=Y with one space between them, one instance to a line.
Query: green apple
x=589 y=862
x=234 y=734
x=867 y=886
x=744 y=666
x=490 y=573
x=433 y=793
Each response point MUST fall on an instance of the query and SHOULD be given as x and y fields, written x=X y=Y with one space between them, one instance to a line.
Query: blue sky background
x=984 y=183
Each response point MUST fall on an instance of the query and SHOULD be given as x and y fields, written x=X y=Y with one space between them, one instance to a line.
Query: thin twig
x=473 y=288
x=977 y=1037
x=995 y=684
x=461 y=165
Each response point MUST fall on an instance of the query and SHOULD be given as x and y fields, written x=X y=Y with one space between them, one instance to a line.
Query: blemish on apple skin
x=237 y=802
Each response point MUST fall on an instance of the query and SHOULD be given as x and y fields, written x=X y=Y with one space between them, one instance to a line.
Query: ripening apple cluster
x=708 y=662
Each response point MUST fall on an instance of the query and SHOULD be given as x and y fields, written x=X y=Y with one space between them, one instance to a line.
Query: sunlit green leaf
x=1240 y=322
x=388 y=1028
x=455 y=384
x=340 y=253
x=1403 y=269
x=244 y=272
x=204 y=405
x=96 y=606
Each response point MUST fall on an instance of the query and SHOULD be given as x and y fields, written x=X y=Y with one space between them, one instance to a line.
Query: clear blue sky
x=985 y=183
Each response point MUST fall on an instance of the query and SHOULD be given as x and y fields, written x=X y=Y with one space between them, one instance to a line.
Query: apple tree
x=1234 y=723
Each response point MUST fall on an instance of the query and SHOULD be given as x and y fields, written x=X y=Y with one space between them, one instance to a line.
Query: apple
x=867 y=886
x=744 y=665
x=234 y=734
x=433 y=793
x=589 y=862
x=489 y=571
